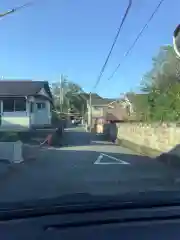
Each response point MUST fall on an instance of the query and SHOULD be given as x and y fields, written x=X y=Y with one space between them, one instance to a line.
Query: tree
x=162 y=86
x=71 y=96
x=164 y=66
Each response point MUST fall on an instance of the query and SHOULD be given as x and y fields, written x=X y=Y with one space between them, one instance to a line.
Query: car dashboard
x=136 y=223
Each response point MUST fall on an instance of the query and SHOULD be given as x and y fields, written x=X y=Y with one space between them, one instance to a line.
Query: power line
x=137 y=38
x=22 y=6
x=114 y=42
x=15 y=9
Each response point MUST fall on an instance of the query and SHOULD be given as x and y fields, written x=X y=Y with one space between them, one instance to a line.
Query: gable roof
x=96 y=100
x=118 y=113
x=23 y=88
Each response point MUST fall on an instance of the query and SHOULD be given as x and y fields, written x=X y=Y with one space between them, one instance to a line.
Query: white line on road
x=98 y=159
x=117 y=161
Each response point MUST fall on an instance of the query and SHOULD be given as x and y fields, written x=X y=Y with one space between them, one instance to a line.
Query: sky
x=73 y=37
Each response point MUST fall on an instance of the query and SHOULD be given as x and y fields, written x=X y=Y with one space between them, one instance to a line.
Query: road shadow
x=76 y=138
x=171 y=158
x=82 y=138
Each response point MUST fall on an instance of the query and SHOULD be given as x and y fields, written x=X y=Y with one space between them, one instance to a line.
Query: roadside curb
x=171 y=158
x=143 y=150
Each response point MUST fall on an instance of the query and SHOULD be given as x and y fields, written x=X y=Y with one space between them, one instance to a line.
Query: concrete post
x=17 y=156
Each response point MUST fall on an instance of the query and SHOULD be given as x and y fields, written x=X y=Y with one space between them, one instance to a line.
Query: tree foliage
x=68 y=96
x=161 y=86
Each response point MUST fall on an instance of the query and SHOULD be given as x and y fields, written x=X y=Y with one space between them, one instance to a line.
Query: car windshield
x=89 y=99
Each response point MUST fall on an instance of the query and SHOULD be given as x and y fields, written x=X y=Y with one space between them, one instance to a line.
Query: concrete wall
x=11 y=151
x=160 y=137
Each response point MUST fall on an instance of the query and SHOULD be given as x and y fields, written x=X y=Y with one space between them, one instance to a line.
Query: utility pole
x=61 y=93
x=82 y=114
x=90 y=110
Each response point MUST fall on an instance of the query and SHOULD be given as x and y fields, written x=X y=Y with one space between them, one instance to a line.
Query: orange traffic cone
x=49 y=139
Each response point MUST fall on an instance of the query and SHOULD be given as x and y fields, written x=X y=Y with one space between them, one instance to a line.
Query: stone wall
x=159 y=137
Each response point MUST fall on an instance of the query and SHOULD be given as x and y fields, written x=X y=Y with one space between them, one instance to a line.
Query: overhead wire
x=137 y=38
x=27 y=4
x=15 y=9
x=113 y=44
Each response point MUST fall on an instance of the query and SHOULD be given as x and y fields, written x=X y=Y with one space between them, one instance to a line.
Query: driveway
x=85 y=164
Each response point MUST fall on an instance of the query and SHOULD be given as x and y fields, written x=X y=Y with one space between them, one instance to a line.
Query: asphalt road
x=85 y=164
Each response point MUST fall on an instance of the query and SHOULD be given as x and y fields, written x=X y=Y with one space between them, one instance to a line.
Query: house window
x=20 y=105
x=8 y=105
x=14 y=105
x=41 y=105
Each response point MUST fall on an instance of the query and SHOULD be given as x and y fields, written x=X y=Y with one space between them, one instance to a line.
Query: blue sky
x=73 y=37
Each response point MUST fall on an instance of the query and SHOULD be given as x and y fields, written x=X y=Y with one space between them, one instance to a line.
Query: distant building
x=108 y=109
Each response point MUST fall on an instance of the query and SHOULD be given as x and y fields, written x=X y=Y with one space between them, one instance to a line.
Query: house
x=95 y=109
x=116 y=111
x=136 y=103
x=122 y=109
x=25 y=104
x=106 y=108
x=125 y=108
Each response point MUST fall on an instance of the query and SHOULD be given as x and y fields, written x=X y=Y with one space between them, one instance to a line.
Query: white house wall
x=18 y=119
x=24 y=119
x=40 y=116
x=15 y=119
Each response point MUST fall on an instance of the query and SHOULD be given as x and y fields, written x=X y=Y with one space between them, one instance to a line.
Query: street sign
x=176 y=41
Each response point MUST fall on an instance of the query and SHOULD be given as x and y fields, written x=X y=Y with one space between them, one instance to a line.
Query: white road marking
x=117 y=161
x=121 y=161
x=98 y=159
